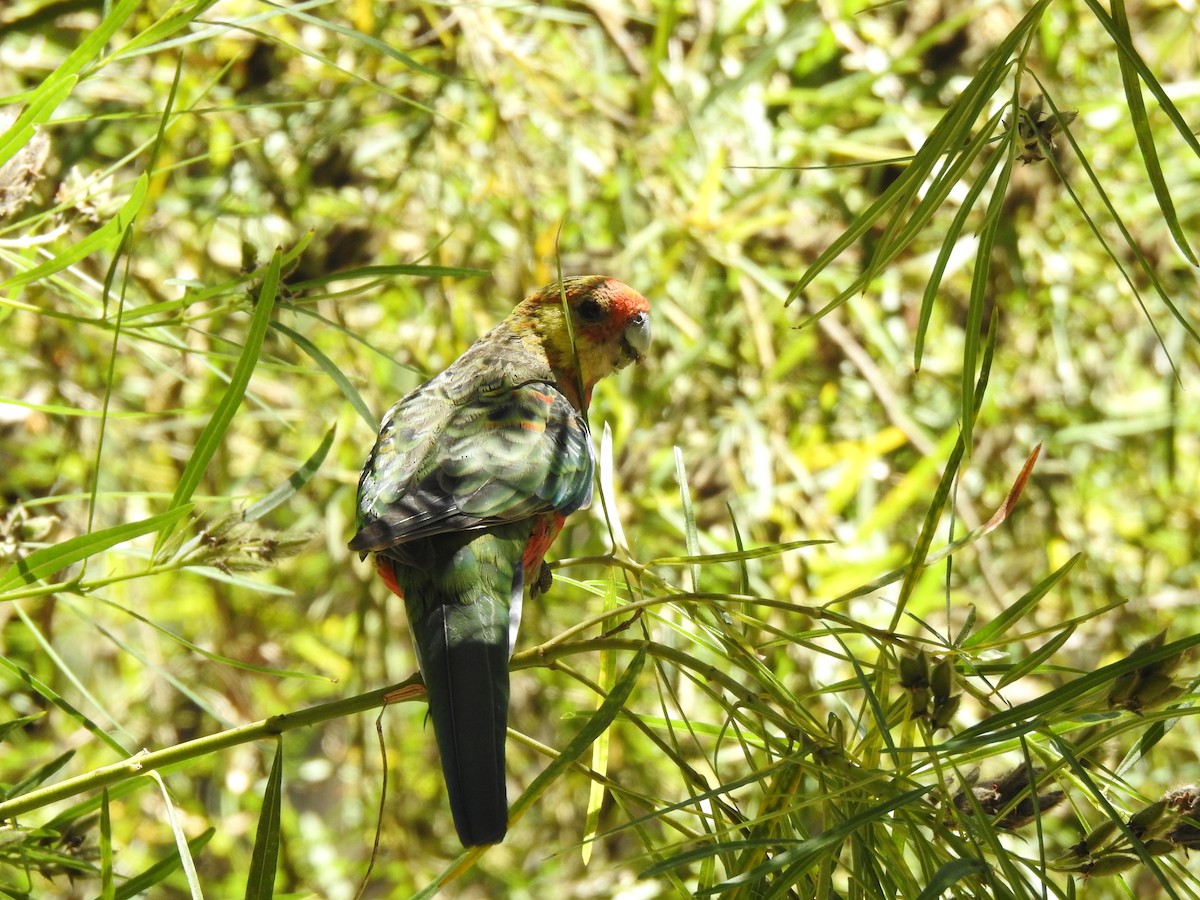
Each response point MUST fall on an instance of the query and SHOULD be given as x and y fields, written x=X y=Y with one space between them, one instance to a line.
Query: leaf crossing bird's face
x=610 y=323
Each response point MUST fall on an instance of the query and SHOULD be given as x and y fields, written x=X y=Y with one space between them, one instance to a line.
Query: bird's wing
x=501 y=456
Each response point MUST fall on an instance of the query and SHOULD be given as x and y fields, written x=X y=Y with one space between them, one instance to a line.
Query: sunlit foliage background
x=422 y=166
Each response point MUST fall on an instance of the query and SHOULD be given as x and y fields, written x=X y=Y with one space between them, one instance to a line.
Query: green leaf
x=161 y=870
x=48 y=560
x=108 y=889
x=369 y=41
x=6 y=727
x=1141 y=128
x=947 y=137
x=207 y=654
x=797 y=855
x=100 y=239
x=1030 y=662
x=55 y=87
x=44 y=690
x=214 y=432
x=734 y=555
x=1026 y=716
x=182 y=844
x=600 y=748
x=329 y=367
x=295 y=482
x=386 y=272
x=999 y=625
x=596 y=725
x=37 y=776
x=971 y=396
x=933 y=515
x=264 y=861
x=1125 y=47
x=1119 y=260
x=950 y=874
x=689 y=518
x=51 y=93
x=950 y=241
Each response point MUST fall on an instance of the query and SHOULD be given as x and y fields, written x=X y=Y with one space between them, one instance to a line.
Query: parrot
x=469 y=482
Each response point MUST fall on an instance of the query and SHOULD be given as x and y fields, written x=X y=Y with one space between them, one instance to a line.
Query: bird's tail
x=464 y=658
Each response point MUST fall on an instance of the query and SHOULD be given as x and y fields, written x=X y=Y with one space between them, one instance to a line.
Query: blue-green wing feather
x=503 y=456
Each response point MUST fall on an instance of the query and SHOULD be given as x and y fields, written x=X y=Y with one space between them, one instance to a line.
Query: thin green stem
x=150 y=761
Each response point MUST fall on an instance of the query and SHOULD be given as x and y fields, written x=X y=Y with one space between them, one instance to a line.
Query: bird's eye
x=590 y=310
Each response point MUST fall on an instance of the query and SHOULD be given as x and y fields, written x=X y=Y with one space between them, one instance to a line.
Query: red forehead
x=623 y=301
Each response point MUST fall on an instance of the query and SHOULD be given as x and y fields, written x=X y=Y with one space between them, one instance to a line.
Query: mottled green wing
x=503 y=456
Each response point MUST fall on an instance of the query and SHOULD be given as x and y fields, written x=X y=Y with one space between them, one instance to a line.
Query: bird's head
x=610 y=323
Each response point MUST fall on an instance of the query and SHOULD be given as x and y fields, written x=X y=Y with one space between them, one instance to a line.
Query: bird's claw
x=544 y=580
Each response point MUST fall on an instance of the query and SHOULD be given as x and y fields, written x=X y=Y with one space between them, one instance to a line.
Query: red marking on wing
x=545 y=530
x=387 y=572
x=528 y=426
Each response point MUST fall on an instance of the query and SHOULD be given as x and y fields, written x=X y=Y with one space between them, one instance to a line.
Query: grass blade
x=735 y=555
x=386 y=272
x=46 y=99
x=950 y=874
x=1141 y=128
x=933 y=516
x=689 y=518
x=55 y=88
x=1029 y=663
x=108 y=889
x=53 y=696
x=295 y=482
x=1138 y=254
x=214 y=431
x=972 y=396
x=1130 y=55
x=161 y=870
x=999 y=625
x=49 y=560
x=37 y=776
x=596 y=725
x=946 y=136
x=600 y=756
x=100 y=239
x=1024 y=717
x=260 y=885
x=948 y=244
x=335 y=374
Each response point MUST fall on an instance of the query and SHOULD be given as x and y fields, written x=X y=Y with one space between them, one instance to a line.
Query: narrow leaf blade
x=260 y=885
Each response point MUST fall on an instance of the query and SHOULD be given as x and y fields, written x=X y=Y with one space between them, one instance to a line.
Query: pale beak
x=637 y=334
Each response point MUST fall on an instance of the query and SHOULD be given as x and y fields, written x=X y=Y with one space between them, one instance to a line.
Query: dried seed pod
x=944 y=712
x=1112 y=864
x=1184 y=799
x=1096 y=838
x=941 y=679
x=914 y=670
x=1145 y=820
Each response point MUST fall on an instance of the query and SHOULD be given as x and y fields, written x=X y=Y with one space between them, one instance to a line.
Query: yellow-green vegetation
x=832 y=628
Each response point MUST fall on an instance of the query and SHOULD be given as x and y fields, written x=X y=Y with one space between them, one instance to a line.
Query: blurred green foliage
x=804 y=724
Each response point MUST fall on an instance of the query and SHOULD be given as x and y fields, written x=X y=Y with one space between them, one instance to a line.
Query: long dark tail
x=466 y=674
x=461 y=600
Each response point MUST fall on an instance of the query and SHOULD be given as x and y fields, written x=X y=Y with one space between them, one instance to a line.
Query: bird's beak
x=637 y=334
